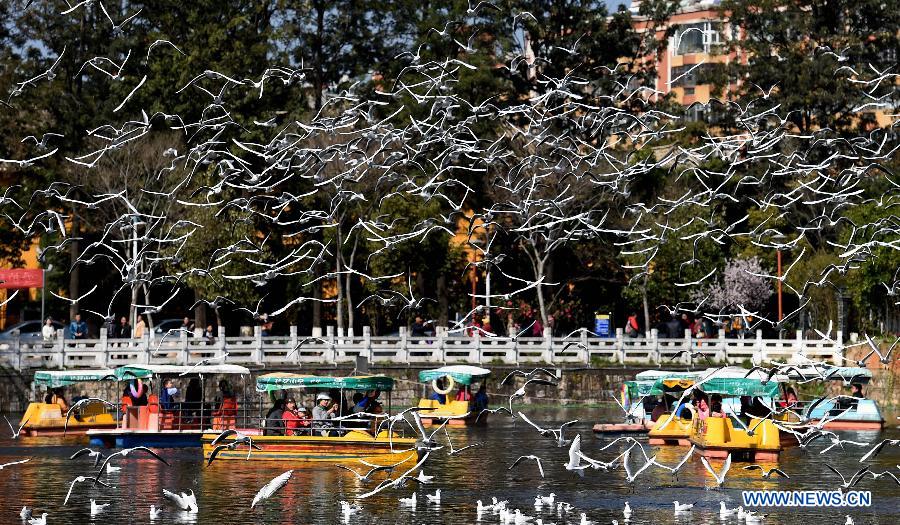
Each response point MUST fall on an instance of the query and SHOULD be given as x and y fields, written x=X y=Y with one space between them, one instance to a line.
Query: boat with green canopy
x=171 y=406
x=733 y=425
x=350 y=433
x=49 y=417
x=463 y=408
x=845 y=413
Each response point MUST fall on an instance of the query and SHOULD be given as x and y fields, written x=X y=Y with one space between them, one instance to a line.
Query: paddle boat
x=42 y=419
x=463 y=409
x=842 y=414
x=350 y=437
x=637 y=419
x=178 y=421
x=719 y=436
x=674 y=430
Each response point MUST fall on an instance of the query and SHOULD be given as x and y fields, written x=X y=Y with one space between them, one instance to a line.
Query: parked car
x=28 y=331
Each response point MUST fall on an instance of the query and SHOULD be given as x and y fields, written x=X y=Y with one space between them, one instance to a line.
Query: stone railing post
x=586 y=355
x=620 y=343
x=837 y=348
x=548 y=347
x=759 y=347
x=366 y=350
x=721 y=345
x=104 y=347
x=404 y=345
x=185 y=353
x=653 y=347
x=221 y=343
x=330 y=353
x=59 y=347
x=688 y=343
x=256 y=353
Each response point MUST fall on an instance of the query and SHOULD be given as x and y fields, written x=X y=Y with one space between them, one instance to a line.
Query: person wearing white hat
x=323 y=412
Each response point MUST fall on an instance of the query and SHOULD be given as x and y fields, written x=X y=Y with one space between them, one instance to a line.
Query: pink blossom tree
x=742 y=285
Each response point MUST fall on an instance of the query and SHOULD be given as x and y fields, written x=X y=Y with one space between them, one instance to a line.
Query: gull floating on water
x=725 y=512
x=183 y=500
x=434 y=498
x=38 y=521
x=682 y=507
x=155 y=513
x=97 y=508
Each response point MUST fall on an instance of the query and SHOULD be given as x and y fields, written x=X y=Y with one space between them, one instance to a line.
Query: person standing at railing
x=139 y=327
x=209 y=335
x=77 y=328
x=48 y=332
x=123 y=329
x=632 y=328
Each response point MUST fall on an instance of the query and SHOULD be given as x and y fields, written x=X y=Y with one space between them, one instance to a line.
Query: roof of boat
x=464 y=374
x=57 y=378
x=847 y=374
x=143 y=371
x=285 y=380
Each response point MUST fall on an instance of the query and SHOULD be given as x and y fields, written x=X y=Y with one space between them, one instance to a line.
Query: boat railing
x=336 y=347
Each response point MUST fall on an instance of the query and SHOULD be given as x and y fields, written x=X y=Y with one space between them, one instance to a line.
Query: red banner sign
x=20 y=278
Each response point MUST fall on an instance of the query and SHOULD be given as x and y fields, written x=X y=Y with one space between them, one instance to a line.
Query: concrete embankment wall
x=577 y=386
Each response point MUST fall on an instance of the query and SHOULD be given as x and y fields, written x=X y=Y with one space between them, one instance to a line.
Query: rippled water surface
x=225 y=489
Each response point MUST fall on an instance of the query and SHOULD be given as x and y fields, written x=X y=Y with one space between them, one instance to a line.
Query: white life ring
x=450 y=384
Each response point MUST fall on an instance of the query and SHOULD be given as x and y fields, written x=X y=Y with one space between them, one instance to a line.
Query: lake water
x=225 y=489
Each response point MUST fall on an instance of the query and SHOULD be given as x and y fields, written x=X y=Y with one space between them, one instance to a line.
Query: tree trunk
x=318 y=52
x=339 y=305
x=317 y=305
x=646 y=308
x=539 y=275
x=443 y=300
x=74 y=271
x=351 y=317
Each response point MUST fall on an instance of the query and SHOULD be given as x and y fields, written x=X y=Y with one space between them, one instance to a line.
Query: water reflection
x=226 y=488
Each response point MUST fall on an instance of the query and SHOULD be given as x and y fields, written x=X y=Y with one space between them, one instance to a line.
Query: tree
x=743 y=286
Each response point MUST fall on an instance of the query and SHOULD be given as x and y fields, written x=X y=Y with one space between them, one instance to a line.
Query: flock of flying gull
x=563 y=167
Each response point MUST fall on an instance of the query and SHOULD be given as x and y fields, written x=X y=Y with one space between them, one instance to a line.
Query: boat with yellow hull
x=462 y=412
x=674 y=432
x=48 y=419
x=353 y=437
x=355 y=445
x=717 y=437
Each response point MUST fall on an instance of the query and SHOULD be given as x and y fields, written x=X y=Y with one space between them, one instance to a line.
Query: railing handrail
x=440 y=348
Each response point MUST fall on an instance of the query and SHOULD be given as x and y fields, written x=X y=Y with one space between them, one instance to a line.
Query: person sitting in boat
x=857 y=391
x=440 y=398
x=167 y=395
x=683 y=411
x=481 y=398
x=274 y=419
x=323 y=412
x=57 y=397
x=715 y=406
x=701 y=402
x=659 y=409
x=136 y=392
x=367 y=402
x=464 y=394
x=295 y=419
x=227 y=404
x=790 y=398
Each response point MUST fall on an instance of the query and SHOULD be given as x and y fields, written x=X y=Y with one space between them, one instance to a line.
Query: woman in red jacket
x=294 y=418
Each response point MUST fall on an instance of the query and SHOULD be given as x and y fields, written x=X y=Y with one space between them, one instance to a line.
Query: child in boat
x=715 y=406
x=295 y=419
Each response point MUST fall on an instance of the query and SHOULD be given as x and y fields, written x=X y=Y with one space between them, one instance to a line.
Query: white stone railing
x=287 y=351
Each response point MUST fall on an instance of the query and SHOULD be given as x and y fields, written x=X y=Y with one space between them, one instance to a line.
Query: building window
x=688 y=91
x=689 y=75
x=697 y=38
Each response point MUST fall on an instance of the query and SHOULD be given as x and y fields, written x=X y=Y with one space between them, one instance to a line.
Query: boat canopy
x=284 y=381
x=463 y=374
x=847 y=374
x=740 y=386
x=145 y=371
x=58 y=378
x=662 y=380
x=638 y=389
